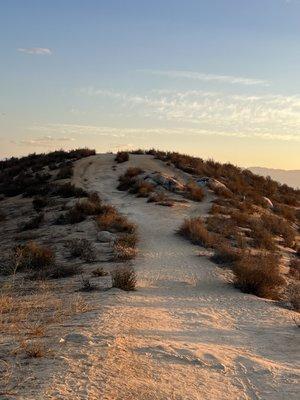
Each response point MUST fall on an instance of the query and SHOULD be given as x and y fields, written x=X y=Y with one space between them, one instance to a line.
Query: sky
x=216 y=78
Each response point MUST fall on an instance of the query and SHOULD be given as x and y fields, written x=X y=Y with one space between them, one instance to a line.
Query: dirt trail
x=185 y=334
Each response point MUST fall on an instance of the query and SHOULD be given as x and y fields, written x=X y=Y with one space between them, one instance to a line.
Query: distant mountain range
x=290 y=177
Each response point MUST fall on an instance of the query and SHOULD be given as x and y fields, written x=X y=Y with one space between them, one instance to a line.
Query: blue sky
x=217 y=78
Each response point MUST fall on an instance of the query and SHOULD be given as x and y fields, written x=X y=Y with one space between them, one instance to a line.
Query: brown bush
x=194 y=192
x=128 y=180
x=279 y=226
x=124 y=278
x=143 y=189
x=226 y=255
x=285 y=211
x=262 y=239
x=242 y=219
x=295 y=268
x=294 y=296
x=114 y=222
x=68 y=190
x=65 y=172
x=218 y=209
x=127 y=240
x=55 y=272
x=32 y=256
x=33 y=223
x=40 y=202
x=73 y=216
x=82 y=248
x=92 y=206
x=124 y=253
x=194 y=230
x=259 y=274
x=122 y=156
x=223 y=226
x=99 y=272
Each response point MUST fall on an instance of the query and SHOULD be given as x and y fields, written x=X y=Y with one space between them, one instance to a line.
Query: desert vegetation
x=40 y=204
x=122 y=156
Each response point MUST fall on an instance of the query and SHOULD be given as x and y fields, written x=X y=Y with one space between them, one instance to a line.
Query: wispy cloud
x=42 y=51
x=206 y=77
x=139 y=132
x=261 y=116
x=46 y=140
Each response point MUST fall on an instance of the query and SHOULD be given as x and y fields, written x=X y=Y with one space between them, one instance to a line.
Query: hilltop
x=146 y=275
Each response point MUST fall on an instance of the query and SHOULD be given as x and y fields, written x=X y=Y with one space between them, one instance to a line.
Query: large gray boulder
x=105 y=237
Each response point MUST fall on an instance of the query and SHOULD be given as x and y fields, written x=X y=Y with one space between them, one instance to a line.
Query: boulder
x=105 y=237
x=268 y=202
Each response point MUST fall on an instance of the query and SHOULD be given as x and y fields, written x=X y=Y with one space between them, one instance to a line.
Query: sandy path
x=185 y=333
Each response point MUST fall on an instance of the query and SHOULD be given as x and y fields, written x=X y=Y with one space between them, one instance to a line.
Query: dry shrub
x=99 y=272
x=279 y=226
x=56 y=272
x=82 y=248
x=92 y=206
x=295 y=268
x=124 y=253
x=259 y=274
x=33 y=223
x=223 y=192
x=142 y=189
x=32 y=349
x=122 y=156
x=223 y=226
x=226 y=255
x=74 y=216
x=194 y=192
x=112 y=221
x=285 y=211
x=30 y=312
x=194 y=230
x=128 y=180
x=32 y=256
x=124 y=278
x=262 y=239
x=128 y=240
x=40 y=202
x=242 y=219
x=294 y=296
x=65 y=172
x=218 y=209
x=68 y=190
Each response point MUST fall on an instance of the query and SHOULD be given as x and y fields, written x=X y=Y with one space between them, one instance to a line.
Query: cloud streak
x=46 y=140
x=42 y=51
x=199 y=76
x=138 y=132
x=261 y=116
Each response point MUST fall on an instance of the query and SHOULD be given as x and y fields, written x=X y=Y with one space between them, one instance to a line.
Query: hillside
x=289 y=177
x=189 y=330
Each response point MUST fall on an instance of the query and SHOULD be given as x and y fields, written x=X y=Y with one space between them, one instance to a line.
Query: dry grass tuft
x=122 y=156
x=33 y=223
x=112 y=221
x=32 y=256
x=82 y=248
x=226 y=255
x=194 y=192
x=259 y=274
x=194 y=230
x=99 y=272
x=128 y=240
x=128 y=180
x=295 y=269
x=124 y=278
